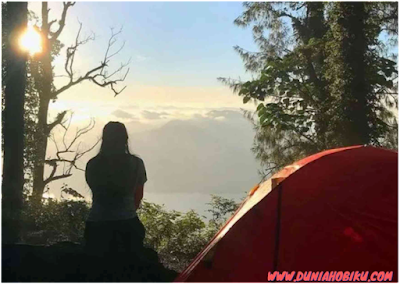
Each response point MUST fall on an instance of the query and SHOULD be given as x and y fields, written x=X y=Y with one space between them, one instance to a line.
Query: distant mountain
x=205 y=154
x=202 y=155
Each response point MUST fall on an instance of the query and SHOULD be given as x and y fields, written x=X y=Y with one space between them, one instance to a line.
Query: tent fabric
x=332 y=211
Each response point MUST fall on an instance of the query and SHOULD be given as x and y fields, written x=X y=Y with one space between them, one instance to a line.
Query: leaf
x=264 y=117
x=246 y=99
x=72 y=192
x=262 y=111
x=286 y=102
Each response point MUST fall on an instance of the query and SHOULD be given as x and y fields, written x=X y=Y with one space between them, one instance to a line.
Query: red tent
x=332 y=211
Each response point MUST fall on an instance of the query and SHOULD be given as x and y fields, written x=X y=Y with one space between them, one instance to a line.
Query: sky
x=186 y=125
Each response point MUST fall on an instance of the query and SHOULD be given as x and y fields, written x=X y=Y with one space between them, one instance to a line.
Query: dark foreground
x=67 y=262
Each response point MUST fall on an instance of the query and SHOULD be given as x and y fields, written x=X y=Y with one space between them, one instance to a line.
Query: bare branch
x=111 y=42
x=105 y=76
x=66 y=130
x=51 y=23
x=57 y=121
x=54 y=165
x=106 y=83
x=48 y=180
x=68 y=163
x=81 y=132
x=73 y=83
x=90 y=149
x=97 y=75
x=61 y=23
x=71 y=52
x=115 y=53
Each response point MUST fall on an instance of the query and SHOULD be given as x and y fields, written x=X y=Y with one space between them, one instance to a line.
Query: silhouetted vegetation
x=177 y=237
x=326 y=74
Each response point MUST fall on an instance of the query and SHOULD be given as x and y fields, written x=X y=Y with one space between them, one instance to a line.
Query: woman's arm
x=141 y=181
x=138 y=196
x=88 y=174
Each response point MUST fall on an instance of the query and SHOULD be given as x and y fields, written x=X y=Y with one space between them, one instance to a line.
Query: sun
x=31 y=41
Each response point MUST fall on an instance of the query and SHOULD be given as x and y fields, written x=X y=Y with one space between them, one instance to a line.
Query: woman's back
x=113 y=180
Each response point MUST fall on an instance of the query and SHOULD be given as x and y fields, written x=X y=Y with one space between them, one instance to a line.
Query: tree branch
x=54 y=165
x=61 y=23
x=71 y=51
x=49 y=180
x=293 y=18
x=97 y=75
x=51 y=23
x=308 y=138
x=72 y=162
x=57 y=121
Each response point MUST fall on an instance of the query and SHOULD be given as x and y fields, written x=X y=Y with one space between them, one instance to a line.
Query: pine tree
x=323 y=75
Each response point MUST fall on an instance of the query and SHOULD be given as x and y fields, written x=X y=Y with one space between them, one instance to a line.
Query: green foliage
x=221 y=208
x=54 y=221
x=179 y=237
x=323 y=77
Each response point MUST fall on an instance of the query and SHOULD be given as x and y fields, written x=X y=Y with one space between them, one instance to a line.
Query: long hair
x=115 y=139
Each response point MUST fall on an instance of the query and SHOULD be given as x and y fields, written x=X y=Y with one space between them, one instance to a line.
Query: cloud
x=122 y=114
x=154 y=115
x=128 y=106
x=225 y=114
x=221 y=118
x=141 y=58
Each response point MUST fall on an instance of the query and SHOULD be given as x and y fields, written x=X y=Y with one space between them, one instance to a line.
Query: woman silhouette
x=116 y=179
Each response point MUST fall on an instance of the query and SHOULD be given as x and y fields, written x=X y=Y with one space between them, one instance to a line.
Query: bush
x=54 y=221
x=177 y=237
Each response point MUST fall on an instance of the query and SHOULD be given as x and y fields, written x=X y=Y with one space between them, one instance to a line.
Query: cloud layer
x=122 y=114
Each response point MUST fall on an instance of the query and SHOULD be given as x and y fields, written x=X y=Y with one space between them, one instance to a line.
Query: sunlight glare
x=31 y=41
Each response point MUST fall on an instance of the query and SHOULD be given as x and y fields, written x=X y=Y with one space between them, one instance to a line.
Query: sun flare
x=31 y=41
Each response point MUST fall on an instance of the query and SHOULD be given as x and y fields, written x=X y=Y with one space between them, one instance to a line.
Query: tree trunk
x=357 y=90
x=45 y=95
x=41 y=144
x=349 y=84
x=13 y=175
x=317 y=29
